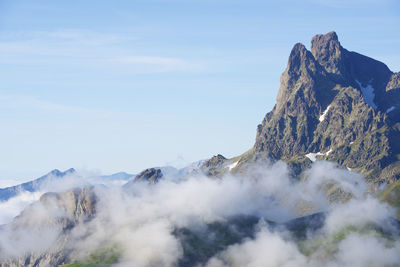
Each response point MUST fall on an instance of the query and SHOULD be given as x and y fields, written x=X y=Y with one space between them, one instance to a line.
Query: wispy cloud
x=89 y=49
x=29 y=102
x=349 y=3
x=71 y=36
x=159 y=64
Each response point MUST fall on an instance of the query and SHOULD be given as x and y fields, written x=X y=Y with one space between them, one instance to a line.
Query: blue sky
x=125 y=85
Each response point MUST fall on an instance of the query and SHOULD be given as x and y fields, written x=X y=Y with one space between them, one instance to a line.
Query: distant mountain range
x=47 y=181
x=34 y=185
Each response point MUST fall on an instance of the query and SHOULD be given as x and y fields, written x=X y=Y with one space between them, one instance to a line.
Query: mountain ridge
x=47 y=182
x=324 y=110
x=34 y=185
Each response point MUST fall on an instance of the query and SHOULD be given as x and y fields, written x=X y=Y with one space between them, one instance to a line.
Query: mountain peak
x=327 y=37
x=151 y=175
x=322 y=42
x=57 y=172
x=70 y=170
x=337 y=105
x=298 y=55
x=54 y=172
x=327 y=50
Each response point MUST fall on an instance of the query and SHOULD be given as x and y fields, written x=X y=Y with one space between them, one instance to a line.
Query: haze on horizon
x=126 y=85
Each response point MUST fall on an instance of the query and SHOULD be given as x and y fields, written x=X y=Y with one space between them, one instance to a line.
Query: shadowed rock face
x=328 y=52
x=214 y=166
x=151 y=175
x=344 y=105
x=215 y=161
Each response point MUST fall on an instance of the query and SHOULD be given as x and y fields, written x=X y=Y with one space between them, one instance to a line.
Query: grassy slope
x=101 y=258
x=391 y=195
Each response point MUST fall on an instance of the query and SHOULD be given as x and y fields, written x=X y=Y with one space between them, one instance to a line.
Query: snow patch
x=322 y=117
x=368 y=94
x=313 y=156
x=390 y=109
x=233 y=165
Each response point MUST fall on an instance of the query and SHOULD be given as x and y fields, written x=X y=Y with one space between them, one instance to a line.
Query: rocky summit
x=335 y=105
x=151 y=175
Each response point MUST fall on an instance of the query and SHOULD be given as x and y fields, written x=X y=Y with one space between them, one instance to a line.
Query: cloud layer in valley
x=142 y=221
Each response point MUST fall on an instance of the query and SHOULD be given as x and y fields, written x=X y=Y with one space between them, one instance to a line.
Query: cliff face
x=336 y=105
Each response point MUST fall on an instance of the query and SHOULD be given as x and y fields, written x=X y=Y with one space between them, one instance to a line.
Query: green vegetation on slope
x=200 y=246
x=103 y=257
x=325 y=247
x=391 y=195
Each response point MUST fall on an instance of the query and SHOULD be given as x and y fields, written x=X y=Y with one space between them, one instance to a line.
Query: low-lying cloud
x=142 y=221
x=11 y=208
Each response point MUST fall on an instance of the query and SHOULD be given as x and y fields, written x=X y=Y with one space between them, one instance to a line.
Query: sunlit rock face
x=44 y=228
x=337 y=101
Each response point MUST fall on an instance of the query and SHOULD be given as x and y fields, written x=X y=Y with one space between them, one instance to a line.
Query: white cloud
x=13 y=207
x=142 y=221
x=349 y=3
x=358 y=212
x=267 y=249
x=360 y=251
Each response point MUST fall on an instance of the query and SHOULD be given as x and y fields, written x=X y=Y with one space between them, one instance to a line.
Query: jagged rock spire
x=301 y=67
x=325 y=47
x=327 y=50
x=299 y=57
x=322 y=109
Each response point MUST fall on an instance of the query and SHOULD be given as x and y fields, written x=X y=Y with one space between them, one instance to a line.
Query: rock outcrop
x=50 y=221
x=214 y=166
x=335 y=105
x=151 y=175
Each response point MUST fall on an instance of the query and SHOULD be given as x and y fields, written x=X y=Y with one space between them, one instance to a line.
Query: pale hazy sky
x=125 y=85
